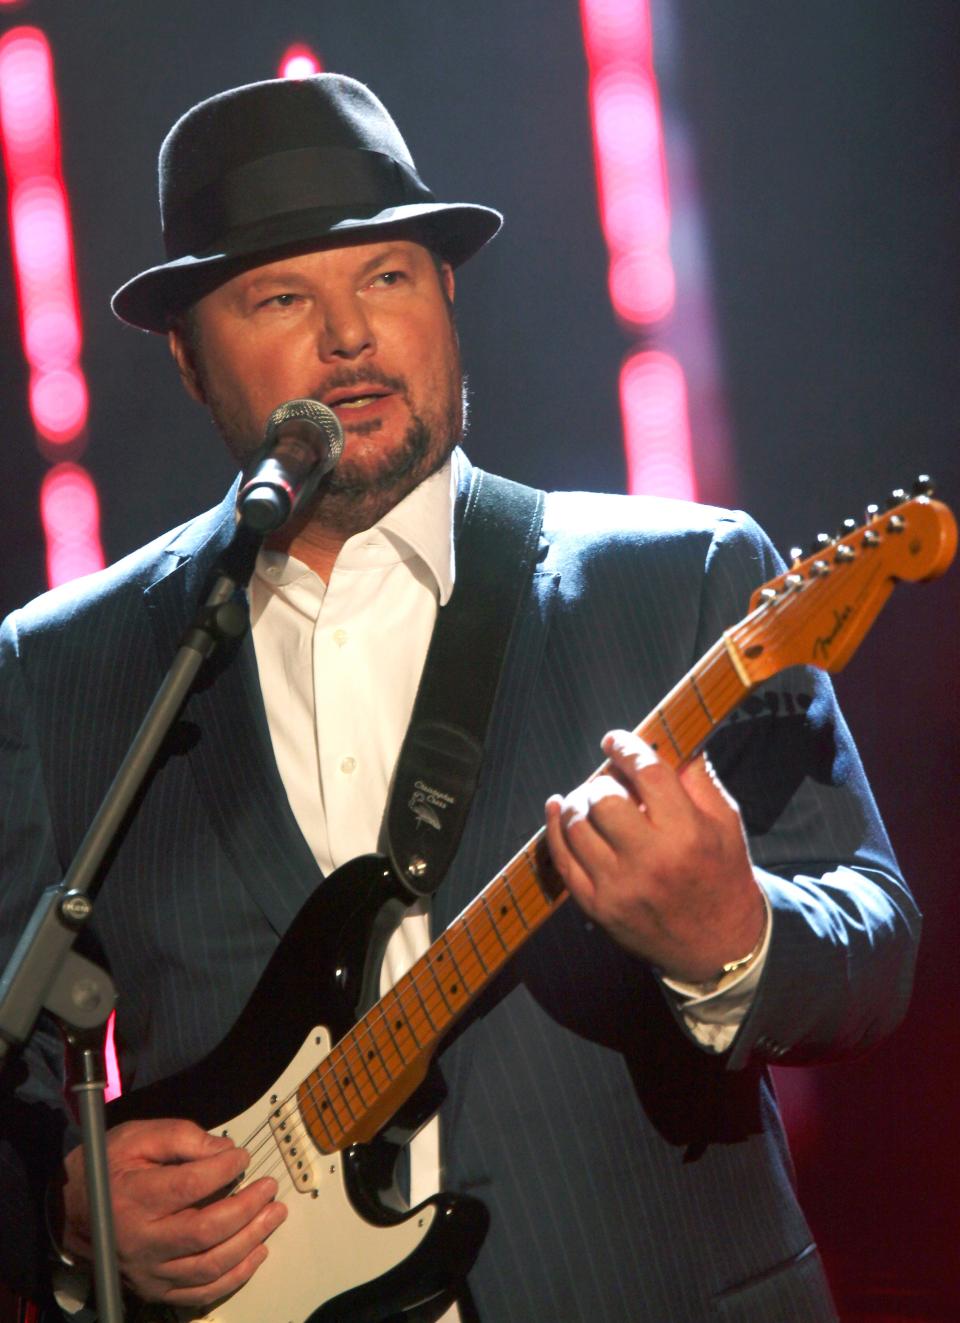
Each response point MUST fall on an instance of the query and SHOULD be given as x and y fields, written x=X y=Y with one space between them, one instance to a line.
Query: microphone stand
x=45 y=971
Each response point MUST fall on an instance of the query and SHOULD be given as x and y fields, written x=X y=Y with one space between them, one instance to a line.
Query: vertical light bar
x=50 y=329
x=634 y=205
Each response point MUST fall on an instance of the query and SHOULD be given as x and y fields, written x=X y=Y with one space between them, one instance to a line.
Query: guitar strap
x=440 y=761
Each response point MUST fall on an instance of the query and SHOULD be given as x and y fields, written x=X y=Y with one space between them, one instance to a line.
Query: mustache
x=345 y=377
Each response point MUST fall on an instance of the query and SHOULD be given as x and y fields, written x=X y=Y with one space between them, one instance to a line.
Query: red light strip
x=50 y=329
x=634 y=207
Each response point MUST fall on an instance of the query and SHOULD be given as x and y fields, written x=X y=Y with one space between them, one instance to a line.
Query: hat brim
x=453 y=230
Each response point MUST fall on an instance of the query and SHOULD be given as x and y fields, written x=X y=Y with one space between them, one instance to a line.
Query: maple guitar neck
x=349 y=1097
x=816 y=613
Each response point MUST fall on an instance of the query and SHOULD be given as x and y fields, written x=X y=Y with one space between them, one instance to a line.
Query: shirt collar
x=420 y=525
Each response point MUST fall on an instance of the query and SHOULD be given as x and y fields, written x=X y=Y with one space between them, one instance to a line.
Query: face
x=366 y=329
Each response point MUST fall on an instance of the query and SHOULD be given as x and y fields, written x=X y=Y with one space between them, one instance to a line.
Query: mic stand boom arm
x=45 y=971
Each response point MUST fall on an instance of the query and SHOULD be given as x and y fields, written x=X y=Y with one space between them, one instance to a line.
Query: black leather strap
x=440 y=761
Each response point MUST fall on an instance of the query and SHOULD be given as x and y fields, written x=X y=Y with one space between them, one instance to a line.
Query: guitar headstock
x=820 y=609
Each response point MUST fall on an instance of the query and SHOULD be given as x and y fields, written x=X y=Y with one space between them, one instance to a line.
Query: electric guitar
x=314 y=1092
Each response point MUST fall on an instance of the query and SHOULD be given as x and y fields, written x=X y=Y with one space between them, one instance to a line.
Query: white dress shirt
x=339 y=667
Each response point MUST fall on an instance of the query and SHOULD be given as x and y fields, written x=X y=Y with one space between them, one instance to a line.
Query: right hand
x=172 y=1244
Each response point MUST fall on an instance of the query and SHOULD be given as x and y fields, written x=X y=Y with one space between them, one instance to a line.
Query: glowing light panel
x=653 y=398
x=634 y=204
x=70 y=514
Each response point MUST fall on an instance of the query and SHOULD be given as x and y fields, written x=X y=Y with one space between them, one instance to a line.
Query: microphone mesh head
x=308 y=411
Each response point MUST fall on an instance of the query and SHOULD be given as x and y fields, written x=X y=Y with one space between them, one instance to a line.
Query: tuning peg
x=844 y=552
x=896 y=497
x=820 y=543
x=871 y=512
x=847 y=527
x=923 y=485
x=795 y=555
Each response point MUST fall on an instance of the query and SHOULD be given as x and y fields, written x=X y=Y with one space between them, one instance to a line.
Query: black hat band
x=350 y=181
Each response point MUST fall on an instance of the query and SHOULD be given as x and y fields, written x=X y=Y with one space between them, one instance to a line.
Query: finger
x=217 y=1261
x=653 y=783
x=705 y=788
x=193 y=1231
x=199 y=1297
x=165 y=1140
x=160 y=1190
x=574 y=876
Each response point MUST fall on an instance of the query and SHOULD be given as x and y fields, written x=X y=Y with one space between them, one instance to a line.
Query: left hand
x=660 y=860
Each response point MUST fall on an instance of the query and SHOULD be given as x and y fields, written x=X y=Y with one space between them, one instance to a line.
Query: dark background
x=824 y=137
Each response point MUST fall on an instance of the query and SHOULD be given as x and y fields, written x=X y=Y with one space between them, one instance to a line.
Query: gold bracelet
x=732 y=966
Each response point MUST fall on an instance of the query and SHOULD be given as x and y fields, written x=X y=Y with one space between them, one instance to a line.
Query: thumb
x=705 y=788
x=166 y=1140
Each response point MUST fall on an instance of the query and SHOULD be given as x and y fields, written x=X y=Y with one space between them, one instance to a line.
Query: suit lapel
x=225 y=726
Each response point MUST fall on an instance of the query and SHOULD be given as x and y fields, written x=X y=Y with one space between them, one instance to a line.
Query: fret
x=493 y=922
x=385 y=1018
x=460 y=988
x=513 y=900
x=412 y=979
x=315 y=1105
x=701 y=700
x=665 y=726
x=370 y=1054
x=471 y=970
x=431 y=966
x=467 y=928
x=356 y=1067
x=399 y=1019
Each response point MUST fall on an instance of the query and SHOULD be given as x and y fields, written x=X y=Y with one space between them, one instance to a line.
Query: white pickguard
x=324 y=1248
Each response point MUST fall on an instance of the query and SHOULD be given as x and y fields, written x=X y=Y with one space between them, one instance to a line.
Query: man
x=608 y=1097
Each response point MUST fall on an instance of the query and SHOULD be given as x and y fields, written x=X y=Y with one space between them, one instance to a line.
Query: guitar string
x=326 y=1072
x=489 y=947
x=750 y=628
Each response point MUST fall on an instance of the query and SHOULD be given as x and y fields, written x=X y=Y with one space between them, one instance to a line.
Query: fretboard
x=377 y=1065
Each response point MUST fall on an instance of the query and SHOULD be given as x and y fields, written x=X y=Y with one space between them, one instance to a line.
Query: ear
x=447 y=281
x=186 y=366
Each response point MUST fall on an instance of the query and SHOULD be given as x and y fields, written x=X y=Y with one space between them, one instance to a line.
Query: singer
x=608 y=1096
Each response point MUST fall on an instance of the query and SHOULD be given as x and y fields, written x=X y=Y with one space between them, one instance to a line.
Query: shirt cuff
x=713 y=1012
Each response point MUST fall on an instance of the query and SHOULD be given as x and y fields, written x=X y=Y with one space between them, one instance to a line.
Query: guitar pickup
x=300 y=1157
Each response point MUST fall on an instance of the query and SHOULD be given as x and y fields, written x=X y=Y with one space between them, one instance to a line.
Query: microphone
x=303 y=441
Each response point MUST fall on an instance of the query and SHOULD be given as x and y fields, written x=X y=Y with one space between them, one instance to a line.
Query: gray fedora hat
x=279 y=167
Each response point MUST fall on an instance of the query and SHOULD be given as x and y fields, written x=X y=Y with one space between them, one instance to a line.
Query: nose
x=345 y=332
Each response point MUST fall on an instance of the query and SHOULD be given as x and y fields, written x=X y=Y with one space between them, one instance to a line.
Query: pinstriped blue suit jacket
x=630 y=1174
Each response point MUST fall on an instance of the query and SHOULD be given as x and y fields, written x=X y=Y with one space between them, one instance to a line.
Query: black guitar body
x=325 y=972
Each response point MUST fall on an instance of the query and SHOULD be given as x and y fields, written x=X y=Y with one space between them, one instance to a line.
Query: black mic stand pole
x=44 y=970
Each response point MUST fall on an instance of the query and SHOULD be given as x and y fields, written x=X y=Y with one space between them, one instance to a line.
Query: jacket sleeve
x=35 y=1123
x=839 y=968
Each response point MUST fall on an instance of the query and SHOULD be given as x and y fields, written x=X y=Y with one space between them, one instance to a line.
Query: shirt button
x=348 y=765
x=339 y=637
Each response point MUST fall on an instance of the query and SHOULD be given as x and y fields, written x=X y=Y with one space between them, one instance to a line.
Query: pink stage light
x=299 y=61
x=70 y=514
x=629 y=157
x=41 y=237
x=634 y=203
x=653 y=398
